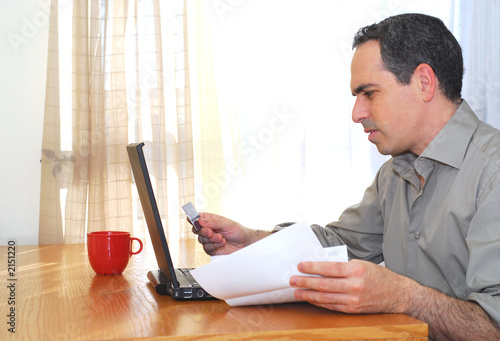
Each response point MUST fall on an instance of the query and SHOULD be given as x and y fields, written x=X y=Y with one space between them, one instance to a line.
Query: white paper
x=260 y=273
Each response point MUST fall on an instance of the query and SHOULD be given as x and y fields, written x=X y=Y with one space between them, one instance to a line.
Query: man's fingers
x=209 y=236
x=329 y=269
x=321 y=284
x=211 y=248
x=319 y=297
x=333 y=301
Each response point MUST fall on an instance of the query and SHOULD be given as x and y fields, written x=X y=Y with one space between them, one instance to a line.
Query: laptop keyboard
x=188 y=276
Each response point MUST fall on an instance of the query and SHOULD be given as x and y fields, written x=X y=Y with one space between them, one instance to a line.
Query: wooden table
x=57 y=296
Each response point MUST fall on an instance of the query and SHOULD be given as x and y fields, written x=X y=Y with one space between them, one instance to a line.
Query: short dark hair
x=407 y=40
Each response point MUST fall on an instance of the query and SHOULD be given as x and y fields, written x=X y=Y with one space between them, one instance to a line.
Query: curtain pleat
x=478 y=34
x=51 y=227
x=119 y=91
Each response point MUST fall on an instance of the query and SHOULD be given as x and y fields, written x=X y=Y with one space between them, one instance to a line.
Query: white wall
x=23 y=59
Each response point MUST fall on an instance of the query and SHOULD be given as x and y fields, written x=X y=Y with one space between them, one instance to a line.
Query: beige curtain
x=132 y=79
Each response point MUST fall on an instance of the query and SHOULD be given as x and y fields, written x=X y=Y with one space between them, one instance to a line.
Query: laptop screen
x=151 y=213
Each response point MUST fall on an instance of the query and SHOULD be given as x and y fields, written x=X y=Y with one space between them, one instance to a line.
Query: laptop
x=167 y=280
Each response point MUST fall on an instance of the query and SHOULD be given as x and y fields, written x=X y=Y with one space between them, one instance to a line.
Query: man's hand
x=352 y=287
x=222 y=236
x=363 y=287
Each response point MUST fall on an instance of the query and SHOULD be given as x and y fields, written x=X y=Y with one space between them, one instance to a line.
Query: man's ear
x=424 y=75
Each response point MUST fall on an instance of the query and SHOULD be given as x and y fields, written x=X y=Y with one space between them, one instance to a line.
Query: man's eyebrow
x=362 y=87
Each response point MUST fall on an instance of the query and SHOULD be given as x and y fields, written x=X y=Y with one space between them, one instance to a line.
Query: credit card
x=192 y=215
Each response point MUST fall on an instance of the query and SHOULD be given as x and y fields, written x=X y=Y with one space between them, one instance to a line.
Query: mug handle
x=140 y=246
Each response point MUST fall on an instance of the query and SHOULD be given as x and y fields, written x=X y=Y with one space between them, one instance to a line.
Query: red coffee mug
x=109 y=251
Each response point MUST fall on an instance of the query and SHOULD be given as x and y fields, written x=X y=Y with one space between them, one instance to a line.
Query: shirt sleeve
x=360 y=227
x=483 y=241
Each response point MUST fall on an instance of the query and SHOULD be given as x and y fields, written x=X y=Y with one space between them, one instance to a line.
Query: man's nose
x=359 y=111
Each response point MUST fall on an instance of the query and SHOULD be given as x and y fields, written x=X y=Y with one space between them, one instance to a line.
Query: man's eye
x=368 y=93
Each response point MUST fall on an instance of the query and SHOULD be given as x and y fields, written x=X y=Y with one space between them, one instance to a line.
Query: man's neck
x=437 y=114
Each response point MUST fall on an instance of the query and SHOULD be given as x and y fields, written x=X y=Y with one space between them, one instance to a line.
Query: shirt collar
x=450 y=144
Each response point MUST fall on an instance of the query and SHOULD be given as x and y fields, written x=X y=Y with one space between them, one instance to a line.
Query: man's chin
x=384 y=150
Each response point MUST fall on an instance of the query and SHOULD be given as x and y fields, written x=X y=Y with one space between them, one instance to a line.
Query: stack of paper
x=260 y=273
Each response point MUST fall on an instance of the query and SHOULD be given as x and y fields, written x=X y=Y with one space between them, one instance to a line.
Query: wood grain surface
x=57 y=296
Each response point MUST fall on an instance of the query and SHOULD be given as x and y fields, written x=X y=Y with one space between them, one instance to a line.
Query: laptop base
x=162 y=287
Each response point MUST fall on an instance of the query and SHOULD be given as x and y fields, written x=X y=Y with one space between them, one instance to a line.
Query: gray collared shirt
x=445 y=235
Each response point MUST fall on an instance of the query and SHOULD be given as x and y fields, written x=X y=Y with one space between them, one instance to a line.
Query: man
x=432 y=213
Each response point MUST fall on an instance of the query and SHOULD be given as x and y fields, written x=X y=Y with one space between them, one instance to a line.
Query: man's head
x=408 y=40
x=406 y=74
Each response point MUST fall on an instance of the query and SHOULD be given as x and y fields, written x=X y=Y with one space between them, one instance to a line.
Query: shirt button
x=417 y=236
